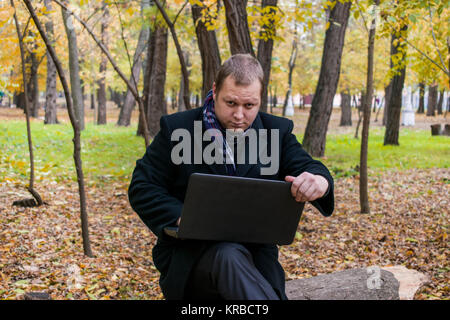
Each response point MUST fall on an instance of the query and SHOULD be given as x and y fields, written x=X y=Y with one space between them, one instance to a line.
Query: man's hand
x=307 y=186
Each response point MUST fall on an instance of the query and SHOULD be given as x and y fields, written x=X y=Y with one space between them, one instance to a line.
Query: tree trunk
x=173 y=99
x=181 y=104
x=209 y=51
x=130 y=102
x=33 y=85
x=147 y=77
x=421 y=108
x=75 y=124
x=157 y=102
x=155 y=79
x=321 y=107
x=440 y=101
x=31 y=189
x=363 y=179
x=237 y=26
x=74 y=69
x=265 y=48
x=184 y=70
x=360 y=110
x=50 y=92
x=395 y=102
x=346 y=110
x=128 y=106
x=101 y=91
x=432 y=100
x=292 y=60
x=92 y=101
x=387 y=98
x=274 y=100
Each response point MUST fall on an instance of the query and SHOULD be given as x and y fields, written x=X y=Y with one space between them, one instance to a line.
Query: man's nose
x=239 y=113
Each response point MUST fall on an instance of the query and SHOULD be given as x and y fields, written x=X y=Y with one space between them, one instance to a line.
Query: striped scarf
x=210 y=121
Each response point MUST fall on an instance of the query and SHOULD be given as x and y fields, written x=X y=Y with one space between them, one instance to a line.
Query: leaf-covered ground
x=41 y=248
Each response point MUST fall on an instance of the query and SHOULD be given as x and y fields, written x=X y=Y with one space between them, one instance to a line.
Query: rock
x=410 y=280
x=372 y=283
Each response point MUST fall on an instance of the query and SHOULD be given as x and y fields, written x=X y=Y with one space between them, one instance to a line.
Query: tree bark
x=265 y=48
x=360 y=111
x=147 y=77
x=74 y=69
x=157 y=103
x=101 y=91
x=76 y=127
x=130 y=102
x=432 y=100
x=181 y=104
x=237 y=26
x=30 y=188
x=154 y=80
x=209 y=51
x=387 y=98
x=421 y=108
x=346 y=110
x=363 y=178
x=395 y=102
x=33 y=85
x=440 y=101
x=184 y=70
x=50 y=92
x=292 y=60
x=321 y=107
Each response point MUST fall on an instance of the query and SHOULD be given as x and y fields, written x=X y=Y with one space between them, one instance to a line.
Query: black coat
x=158 y=188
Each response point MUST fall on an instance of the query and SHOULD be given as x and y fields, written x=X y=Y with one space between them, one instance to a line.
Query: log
x=435 y=129
x=372 y=283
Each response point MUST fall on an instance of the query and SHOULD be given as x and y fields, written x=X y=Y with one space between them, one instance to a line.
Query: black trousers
x=226 y=271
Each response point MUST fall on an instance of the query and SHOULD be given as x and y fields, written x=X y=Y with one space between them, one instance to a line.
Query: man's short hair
x=243 y=68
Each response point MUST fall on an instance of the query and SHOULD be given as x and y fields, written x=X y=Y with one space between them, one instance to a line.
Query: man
x=194 y=269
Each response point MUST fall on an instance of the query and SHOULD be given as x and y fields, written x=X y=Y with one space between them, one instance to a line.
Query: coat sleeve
x=295 y=160
x=149 y=188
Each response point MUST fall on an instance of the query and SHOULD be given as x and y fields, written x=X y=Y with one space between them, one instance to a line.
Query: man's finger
x=304 y=191
x=312 y=193
x=296 y=185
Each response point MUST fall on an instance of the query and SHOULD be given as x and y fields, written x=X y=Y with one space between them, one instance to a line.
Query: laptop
x=238 y=209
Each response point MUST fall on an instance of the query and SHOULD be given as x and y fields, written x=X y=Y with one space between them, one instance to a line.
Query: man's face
x=237 y=106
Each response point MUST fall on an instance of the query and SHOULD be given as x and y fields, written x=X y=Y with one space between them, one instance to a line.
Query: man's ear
x=214 y=91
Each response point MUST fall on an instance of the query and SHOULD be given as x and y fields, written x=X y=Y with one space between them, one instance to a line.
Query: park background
x=318 y=54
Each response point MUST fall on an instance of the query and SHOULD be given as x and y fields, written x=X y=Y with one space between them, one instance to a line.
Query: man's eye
x=230 y=103
x=249 y=105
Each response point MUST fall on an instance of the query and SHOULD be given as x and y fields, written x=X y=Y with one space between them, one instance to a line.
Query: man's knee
x=227 y=252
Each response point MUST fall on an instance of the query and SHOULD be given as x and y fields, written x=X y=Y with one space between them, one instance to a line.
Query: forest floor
x=41 y=247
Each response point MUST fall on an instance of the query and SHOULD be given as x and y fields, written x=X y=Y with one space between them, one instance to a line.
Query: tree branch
x=132 y=89
x=180 y=55
x=434 y=37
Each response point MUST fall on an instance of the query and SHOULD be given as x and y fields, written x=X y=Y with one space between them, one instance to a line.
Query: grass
x=416 y=149
x=110 y=152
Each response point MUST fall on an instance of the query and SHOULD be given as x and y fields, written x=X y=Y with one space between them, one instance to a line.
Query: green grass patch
x=110 y=152
x=416 y=149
